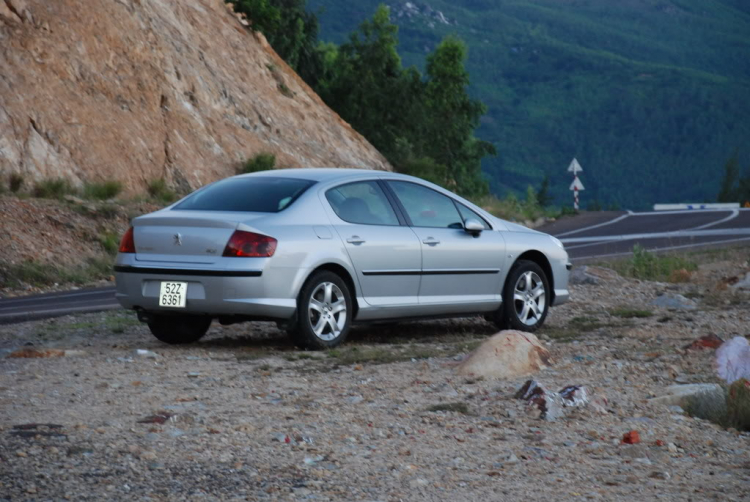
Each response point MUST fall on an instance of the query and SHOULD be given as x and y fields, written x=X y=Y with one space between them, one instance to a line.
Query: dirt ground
x=243 y=415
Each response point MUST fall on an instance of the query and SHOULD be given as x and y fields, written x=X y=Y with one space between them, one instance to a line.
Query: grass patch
x=261 y=162
x=586 y=323
x=43 y=274
x=158 y=189
x=631 y=313
x=102 y=191
x=299 y=356
x=461 y=408
x=346 y=356
x=649 y=266
x=117 y=322
x=53 y=189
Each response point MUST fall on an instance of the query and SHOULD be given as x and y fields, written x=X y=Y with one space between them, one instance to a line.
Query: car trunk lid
x=185 y=237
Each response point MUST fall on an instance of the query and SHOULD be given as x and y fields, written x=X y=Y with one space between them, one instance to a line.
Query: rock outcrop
x=135 y=90
x=508 y=354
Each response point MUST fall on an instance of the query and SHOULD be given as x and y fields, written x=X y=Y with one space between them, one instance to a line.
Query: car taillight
x=250 y=245
x=127 y=244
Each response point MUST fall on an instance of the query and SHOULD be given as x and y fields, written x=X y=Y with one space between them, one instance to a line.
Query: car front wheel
x=526 y=298
x=179 y=329
x=324 y=312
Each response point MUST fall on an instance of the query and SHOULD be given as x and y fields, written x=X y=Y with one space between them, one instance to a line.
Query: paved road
x=587 y=237
x=613 y=234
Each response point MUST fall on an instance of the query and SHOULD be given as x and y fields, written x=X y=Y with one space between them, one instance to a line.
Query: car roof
x=323 y=173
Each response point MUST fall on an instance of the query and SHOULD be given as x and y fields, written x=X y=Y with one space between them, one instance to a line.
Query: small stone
x=662 y=475
x=672 y=447
x=672 y=301
x=148 y=455
x=21 y=453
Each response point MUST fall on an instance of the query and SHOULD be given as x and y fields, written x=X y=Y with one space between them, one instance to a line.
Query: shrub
x=738 y=404
x=102 y=191
x=261 y=162
x=649 y=266
x=53 y=188
x=16 y=182
x=110 y=242
x=426 y=168
x=158 y=190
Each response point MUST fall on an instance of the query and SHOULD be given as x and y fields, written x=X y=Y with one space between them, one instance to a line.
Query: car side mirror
x=473 y=227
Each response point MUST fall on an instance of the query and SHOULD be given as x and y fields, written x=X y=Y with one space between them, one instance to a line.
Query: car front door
x=458 y=267
x=386 y=254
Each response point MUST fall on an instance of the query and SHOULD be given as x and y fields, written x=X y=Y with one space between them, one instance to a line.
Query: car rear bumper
x=251 y=293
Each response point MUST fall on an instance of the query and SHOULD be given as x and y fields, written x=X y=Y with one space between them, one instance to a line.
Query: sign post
x=576 y=186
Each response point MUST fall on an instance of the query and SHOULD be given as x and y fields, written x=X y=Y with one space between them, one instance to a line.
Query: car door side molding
x=432 y=272
x=187 y=271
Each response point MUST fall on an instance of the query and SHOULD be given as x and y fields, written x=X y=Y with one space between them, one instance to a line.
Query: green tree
x=370 y=89
x=290 y=29
x=542 y=195
x=729 y=191
x=451 y=119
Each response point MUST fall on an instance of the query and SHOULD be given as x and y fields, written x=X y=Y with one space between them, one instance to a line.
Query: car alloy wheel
x=526 y=298
x=324 y=312
x=529 y=298
x=327 y=311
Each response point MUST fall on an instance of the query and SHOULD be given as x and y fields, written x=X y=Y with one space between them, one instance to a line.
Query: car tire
x=526 y=298
x=324 y=312
x=179 y=329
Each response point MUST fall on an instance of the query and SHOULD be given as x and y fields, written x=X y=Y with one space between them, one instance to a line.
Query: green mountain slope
x=651 y=96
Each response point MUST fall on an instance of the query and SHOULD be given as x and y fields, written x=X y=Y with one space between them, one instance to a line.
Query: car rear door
x=386 y=254
x=457 y=267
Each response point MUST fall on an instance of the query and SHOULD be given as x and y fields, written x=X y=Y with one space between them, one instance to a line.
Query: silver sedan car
x=318 y=249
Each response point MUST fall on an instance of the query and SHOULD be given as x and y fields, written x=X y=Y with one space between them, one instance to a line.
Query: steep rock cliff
x=135 y=90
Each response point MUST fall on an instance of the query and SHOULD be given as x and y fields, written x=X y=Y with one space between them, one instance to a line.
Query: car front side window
x=426 y=207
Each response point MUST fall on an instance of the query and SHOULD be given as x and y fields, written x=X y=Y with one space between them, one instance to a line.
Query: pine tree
x=452 y=118
x=729 y=191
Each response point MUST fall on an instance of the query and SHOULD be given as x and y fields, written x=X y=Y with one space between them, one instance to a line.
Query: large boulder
x=684 y=395
x=508 y=354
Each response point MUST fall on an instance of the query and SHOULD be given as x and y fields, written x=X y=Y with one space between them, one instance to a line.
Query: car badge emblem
x=177 y=240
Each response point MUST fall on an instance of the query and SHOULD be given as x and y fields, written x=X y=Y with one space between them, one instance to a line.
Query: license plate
x=173 y=294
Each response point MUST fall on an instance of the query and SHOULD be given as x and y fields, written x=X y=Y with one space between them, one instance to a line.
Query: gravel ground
x=243 y=415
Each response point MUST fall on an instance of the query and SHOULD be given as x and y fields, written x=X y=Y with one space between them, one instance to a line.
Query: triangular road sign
x=577 y=185
x=574 y=167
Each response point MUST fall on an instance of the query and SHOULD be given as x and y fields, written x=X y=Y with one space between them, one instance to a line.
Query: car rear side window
x=249 y=194
x=362 y=202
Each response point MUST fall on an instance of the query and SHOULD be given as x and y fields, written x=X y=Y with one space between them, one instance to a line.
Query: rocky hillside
x=136 y=90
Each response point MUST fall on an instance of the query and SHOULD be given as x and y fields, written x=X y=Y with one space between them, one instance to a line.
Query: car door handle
x=431 y=241
x=355 y=239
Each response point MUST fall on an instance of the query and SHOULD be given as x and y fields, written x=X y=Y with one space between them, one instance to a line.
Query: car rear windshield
x=252 y=194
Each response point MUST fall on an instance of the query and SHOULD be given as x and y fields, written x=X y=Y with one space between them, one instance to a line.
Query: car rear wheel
x=179 y=329
x=526 y=298
x=324 y=312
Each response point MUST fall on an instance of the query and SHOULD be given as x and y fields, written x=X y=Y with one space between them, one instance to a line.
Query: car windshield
x=251 y=194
